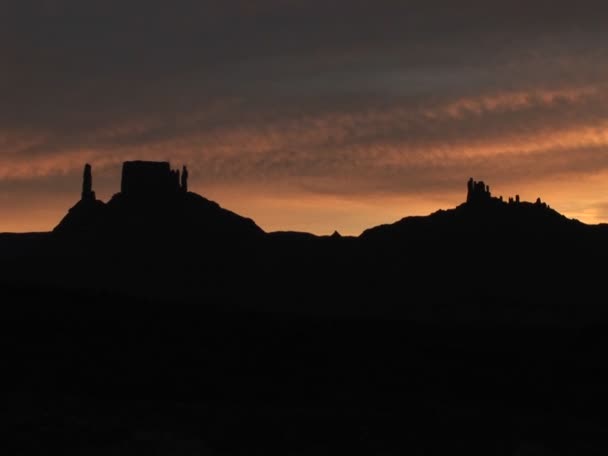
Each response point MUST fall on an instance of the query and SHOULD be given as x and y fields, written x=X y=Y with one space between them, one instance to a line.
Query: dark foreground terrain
x=118 y=376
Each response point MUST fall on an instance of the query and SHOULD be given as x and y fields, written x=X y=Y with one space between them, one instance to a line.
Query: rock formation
x=87 y=184
x=477 y=191
x=87 y=213
x=151 y=179
x=154 y=201
x=184 y=186
x=175 y=180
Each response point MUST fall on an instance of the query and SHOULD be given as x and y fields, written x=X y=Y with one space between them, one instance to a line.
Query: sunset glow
x=304 y=119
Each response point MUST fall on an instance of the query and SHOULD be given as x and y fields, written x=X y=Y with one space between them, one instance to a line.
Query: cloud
x=545 y=128
x=339 y=99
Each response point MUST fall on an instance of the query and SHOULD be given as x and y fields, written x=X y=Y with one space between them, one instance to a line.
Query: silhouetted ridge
x=153 y=201
x=481 y=215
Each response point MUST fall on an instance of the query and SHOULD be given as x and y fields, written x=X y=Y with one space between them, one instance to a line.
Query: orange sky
x=306 y=118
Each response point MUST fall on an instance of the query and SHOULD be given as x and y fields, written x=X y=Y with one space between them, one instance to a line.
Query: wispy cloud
x=342 y=101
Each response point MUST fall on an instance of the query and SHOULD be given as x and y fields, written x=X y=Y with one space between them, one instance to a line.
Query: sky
x=306 y=115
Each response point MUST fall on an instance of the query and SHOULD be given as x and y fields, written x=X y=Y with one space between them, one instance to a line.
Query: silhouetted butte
x=153 y=201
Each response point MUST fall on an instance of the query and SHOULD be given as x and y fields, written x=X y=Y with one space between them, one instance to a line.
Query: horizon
x=88 y=174
x=306 y=117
